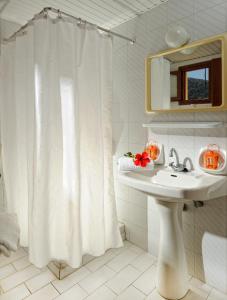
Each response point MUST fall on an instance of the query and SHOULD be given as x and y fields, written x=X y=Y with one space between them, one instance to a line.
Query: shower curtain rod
x=60 y=13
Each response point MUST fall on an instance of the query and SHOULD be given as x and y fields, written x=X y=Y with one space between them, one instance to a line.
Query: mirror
x=188 y=78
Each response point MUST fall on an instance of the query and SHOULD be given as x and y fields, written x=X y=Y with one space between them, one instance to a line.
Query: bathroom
x=112 y=271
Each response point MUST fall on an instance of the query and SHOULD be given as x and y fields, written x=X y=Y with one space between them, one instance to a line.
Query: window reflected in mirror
x=195 y=78
x=197 y=84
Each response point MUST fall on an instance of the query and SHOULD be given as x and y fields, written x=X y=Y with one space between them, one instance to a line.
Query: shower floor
x=127 y=273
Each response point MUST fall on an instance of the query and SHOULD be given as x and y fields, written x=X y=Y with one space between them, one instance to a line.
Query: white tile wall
x=205 y=229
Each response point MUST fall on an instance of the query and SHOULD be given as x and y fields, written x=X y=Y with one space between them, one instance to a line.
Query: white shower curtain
x=160 y=83
x=56 y=83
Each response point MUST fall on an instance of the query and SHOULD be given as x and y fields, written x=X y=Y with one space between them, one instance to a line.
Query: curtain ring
x=79 y=22
x=59 y=14
x=45 y=12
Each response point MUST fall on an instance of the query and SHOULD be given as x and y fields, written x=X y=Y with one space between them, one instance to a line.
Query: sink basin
x=170 y=190
x=165 y=183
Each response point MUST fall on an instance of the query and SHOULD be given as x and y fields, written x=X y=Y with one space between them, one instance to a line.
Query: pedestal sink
x=171 y=190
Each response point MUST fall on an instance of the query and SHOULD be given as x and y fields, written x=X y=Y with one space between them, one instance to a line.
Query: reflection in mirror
x=197 y=84
x=187 y=78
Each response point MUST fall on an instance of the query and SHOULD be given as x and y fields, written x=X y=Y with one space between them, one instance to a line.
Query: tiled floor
x=124 y=274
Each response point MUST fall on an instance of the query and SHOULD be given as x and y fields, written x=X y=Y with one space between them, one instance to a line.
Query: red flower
x=141 y=159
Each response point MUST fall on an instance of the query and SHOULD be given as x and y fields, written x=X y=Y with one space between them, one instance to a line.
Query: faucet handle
x=189 y=161
x=171 y=161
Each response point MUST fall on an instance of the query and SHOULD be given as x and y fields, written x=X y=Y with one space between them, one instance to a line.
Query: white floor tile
x=100 y=261
x=190 y=296
x=199 y=287
x=122 y=260
x=146 y=282
x=21 y=263
x=154 y=296
x=6 y=271
x=14 y=256
x=123 y=279
x=127 y=244
x=87 y=258
x=131 y=293
x=46 y=293
x=118 y=251
x=18 y=293
x=40 y=280
x=215 y=295
x=99 y=280
x=194 y=296
x=75 y=293
x=136 y=249
x=96 y=279
x=69 y=281
x=102 y=293
x=19 y=277
x=143 y=262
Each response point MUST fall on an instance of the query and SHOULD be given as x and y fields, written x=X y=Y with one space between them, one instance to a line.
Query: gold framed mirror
x=190 y=78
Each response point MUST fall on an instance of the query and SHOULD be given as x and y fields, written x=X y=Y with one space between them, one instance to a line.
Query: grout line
x=77 y=283
x=84 y=291
x=37 y=290
x=27 y=287
x=55 y=289
x=13 y=267
x=22 y=281
x=9 y=274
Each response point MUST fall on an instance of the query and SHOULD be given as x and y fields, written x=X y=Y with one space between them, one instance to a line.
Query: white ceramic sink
x=165 y=183
x=171 y=189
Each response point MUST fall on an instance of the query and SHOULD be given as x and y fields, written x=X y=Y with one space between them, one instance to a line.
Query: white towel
x=126 y=164
x=9 y=233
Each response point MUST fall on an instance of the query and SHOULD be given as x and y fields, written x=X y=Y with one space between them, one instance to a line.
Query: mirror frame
x=148 y=60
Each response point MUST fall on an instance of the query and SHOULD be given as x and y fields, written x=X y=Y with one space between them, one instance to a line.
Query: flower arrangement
x=139 y=159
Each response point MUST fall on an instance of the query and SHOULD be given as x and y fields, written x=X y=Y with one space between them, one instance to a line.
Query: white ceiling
x=106 y=13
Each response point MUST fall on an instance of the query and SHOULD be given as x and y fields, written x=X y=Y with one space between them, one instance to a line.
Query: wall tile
x=133 y=213
x=211 y=21
x=137 y=134
x=136 y=234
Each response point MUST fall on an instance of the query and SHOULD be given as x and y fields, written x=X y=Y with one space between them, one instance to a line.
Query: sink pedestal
x=172 y=275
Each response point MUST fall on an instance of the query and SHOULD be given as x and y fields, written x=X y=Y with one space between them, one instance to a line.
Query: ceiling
x=203 y=51
x=106 y=13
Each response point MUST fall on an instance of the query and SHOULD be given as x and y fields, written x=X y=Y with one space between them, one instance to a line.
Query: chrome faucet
x=175 y=163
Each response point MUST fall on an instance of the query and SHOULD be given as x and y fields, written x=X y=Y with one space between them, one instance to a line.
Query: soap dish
x=212 y=159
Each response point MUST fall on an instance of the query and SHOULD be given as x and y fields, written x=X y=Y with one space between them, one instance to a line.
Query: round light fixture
x=188 y=51
x=177 y=36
